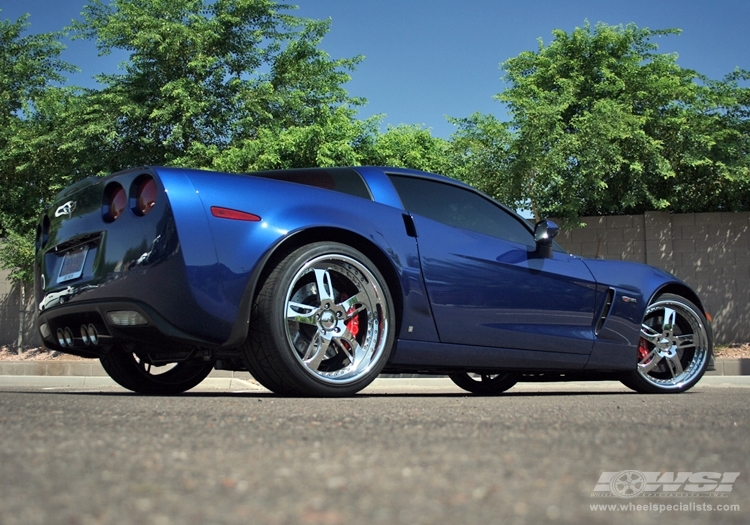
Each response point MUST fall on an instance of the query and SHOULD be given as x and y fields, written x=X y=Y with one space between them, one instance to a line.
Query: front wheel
x=135 y=372
x=323 y=323
x=675 y=345
x=485 y=384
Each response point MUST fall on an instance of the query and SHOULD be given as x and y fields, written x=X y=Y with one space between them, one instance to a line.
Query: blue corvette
x=318 y=280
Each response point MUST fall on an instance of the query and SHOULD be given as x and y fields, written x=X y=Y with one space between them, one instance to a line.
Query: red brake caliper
x=643 y=350
x=352 y=324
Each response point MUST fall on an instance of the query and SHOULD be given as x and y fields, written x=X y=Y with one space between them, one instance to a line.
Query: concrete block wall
x=10 y=298
x=709 y=251
x=8 y=310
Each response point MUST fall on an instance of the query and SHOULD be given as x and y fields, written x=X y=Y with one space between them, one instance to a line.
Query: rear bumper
x=82 y=319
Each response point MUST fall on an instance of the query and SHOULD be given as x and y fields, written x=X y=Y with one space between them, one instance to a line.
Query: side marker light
x=228 y=213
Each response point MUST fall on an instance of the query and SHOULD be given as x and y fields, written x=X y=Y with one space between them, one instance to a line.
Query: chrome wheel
x=674 y=348
x=322 y=323
x=336 y=318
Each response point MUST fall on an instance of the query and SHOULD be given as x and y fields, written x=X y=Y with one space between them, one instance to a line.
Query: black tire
x=675 y=346
x=485 y=384
x=322 y=324
x=129 y=371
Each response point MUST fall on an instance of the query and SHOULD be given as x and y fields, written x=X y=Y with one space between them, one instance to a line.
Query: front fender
x=630 y=287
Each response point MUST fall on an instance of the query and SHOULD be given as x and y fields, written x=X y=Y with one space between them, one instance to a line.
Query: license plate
x=72 y=264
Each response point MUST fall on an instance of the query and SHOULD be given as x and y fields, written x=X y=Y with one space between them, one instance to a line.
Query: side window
x=460 y=208
x=344 y=180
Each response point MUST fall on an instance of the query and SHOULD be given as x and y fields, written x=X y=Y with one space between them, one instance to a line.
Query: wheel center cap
x=665 y=343
x=327 y=320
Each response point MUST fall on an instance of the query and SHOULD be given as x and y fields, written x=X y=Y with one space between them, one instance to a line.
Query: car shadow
x=77 y=391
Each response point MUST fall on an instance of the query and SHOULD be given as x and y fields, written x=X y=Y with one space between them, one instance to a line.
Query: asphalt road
x=396 y=454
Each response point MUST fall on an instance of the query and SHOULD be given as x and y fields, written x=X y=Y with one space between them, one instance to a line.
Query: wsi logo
x=632 y=483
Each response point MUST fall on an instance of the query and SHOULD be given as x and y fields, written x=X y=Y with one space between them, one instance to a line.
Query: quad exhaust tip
x=89 y=336
x=65 y=337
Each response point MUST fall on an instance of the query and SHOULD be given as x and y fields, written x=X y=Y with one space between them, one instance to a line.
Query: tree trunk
x=21 y=317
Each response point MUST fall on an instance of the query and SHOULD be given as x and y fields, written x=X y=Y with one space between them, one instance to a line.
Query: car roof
x=393 y=170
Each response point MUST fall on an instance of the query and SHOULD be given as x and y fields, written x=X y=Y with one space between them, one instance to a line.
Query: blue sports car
x=318 y=280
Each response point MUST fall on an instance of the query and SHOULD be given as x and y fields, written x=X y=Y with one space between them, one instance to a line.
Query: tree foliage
x=30 y=66
x=205 y=76
x=603 y=124
x=479 y=154
x=409 y=146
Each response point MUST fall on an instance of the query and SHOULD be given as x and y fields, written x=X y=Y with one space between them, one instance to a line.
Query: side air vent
x=605 y=311
x=411 y=228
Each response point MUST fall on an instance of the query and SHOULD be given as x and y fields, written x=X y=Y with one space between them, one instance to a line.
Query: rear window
x=344 y=180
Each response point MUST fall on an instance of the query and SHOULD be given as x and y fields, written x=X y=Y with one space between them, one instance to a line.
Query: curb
x=55 y=382
x=81 y=368
x=731 y=367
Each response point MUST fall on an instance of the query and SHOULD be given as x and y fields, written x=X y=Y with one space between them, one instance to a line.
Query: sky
x=428 y=59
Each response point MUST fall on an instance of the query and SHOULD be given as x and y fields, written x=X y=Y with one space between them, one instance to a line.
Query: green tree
x=603 y=124
x=30 y=66
x=334 y=139
x=711 y=160
x=207 y=76
x=479 y=155
x=408 y=146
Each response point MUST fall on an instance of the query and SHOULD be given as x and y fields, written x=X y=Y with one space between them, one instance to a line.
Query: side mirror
x=544 y=232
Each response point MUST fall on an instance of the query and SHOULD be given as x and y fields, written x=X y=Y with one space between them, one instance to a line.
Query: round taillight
x=115 y=202
x=145 y=195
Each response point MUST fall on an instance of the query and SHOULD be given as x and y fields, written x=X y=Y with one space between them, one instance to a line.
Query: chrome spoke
x=341 y=346
x=674 y=365
x=650 y=361
x=668 y=321
x=353 y=313
x=301 y=313
x=685 y=341
x=356 y=349
x=316 y=351
x=361 y=298
x=650 y=335
x=324 y=285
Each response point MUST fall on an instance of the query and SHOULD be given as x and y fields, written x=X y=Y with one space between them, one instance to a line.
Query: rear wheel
x=322 y=323
x=675 y=345
x=135 y=372
x=485 y=384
